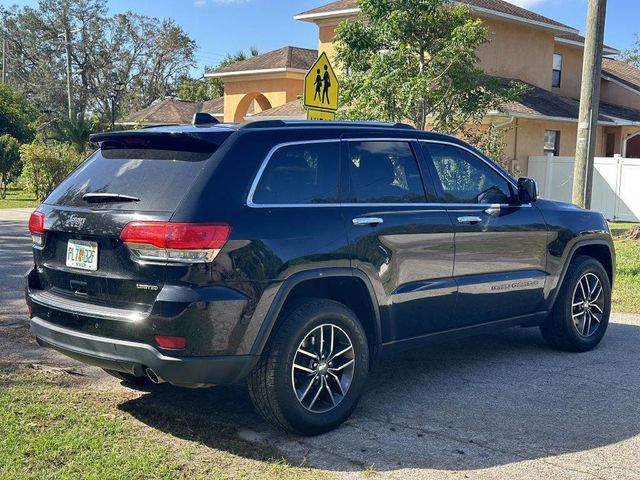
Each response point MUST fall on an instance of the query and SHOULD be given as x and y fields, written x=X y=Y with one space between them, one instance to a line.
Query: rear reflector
x=173 y=343
x=175 y=242
x=36 y=228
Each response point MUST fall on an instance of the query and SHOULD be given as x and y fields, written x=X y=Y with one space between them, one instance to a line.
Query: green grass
x=17 y=198
x=52 y=429
x=626 y=291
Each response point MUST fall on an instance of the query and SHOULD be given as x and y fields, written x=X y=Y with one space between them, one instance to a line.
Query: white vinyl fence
x=616 y=184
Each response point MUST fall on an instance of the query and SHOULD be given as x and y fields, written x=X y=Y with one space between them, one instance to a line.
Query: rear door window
x=157 y=171
x=384 y=172
x=306 y=173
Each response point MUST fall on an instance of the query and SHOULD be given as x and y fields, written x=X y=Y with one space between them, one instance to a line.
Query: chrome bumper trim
x=50 y=300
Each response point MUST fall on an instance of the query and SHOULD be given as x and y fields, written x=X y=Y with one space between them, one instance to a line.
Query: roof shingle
x=574 y=37
x=174 y=110
x=623 y=72
x=538 y=102
x=291 y=110
x=498 y=6
x=285 y=57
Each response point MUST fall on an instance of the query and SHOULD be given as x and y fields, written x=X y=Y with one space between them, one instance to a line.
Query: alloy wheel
x=588 y=303
x=323 y=368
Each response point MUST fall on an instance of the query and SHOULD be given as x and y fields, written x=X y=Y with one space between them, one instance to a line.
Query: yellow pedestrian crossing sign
x=321 y=89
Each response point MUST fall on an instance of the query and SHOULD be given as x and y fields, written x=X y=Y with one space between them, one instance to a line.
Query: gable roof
x=293 y=109
x=537 y=102
x=174 y=111
x=284 y=59
x=621 y=72
x=498 y=8
x=214 y=107
x=578 y=41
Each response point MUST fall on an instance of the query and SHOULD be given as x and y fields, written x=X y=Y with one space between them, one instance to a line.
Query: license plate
x=82 y=254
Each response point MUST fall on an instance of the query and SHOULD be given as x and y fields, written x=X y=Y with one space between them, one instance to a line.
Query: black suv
x=293 y=254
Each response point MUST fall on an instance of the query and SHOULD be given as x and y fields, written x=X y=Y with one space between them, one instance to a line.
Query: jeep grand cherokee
x=292 y=254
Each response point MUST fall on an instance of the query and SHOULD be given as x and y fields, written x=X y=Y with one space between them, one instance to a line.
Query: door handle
x=363 y=221
x=469 y=219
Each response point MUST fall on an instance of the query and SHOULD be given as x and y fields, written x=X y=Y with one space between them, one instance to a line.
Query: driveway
x=491 y=407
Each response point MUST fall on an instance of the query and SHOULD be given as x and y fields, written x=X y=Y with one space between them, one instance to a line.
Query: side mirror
x=527 y=190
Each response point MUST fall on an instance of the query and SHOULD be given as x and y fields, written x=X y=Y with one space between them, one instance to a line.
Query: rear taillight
x=36 y=229
x=175 y=242
x=171 y=343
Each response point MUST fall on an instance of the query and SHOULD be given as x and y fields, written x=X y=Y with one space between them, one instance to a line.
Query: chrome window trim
x=440 y=205
x=265 y=162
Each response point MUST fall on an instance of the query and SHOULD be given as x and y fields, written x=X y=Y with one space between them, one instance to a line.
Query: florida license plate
x=82 y=254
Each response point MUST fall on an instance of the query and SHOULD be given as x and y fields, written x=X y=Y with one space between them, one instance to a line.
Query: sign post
x=321 y=90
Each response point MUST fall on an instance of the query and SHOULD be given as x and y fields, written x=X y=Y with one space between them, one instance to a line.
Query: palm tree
x=75 y=131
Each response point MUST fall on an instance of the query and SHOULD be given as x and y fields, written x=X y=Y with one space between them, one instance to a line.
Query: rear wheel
x=311 y=375
x=580 y=315
x=127 y=377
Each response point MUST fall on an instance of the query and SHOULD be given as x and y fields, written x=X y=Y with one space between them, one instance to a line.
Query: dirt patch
x=633 y=234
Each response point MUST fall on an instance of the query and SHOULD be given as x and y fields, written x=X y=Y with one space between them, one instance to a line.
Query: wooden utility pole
x=589 y=104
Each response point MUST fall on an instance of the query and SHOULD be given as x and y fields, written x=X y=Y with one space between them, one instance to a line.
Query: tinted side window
x=298 y=174
x=384 y=172
x=464 y=178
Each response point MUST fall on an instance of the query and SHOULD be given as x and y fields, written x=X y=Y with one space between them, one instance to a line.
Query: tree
x=416 y=60
x=75 y=131
x=9 y=162
x=16 y=114
x=200 y=90
x=197 y=90
x=632 y=55
x=45 y=165
x=147 y=54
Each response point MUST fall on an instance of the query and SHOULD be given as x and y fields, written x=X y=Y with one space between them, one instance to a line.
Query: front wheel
x=580 y=316
x=311 y=375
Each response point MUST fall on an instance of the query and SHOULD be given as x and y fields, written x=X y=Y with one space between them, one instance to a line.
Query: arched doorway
x=632 y=146
x=245 y=103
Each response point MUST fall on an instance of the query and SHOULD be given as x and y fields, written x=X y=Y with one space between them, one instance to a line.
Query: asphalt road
x=492 y=407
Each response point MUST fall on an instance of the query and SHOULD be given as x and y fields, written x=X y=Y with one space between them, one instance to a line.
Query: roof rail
x=262 y=124
x=330 y=123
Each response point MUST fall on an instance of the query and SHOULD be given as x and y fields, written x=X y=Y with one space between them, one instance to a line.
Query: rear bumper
x=133 y=357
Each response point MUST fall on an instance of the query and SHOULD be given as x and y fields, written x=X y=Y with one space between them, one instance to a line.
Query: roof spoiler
x=150 y=139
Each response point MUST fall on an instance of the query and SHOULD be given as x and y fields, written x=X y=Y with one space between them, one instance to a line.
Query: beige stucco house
x=523 y=45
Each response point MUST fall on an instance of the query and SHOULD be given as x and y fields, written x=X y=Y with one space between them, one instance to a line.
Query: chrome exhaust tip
x=153 y=376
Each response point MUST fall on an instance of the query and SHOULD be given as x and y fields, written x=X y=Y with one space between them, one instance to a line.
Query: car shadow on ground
x=465 y=404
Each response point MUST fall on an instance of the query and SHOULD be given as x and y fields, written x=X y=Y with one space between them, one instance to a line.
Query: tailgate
x=134 y=176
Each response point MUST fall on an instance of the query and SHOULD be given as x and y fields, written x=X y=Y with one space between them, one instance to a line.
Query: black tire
x=128 y=378
x=271 y=384
x=559 y=329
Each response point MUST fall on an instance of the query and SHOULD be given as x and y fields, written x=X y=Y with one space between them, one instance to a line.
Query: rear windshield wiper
x=108 y=197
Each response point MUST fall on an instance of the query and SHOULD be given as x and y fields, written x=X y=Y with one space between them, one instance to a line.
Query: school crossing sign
x=321 y=90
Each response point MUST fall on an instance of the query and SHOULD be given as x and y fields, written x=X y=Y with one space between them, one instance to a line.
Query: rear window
x=157 y=171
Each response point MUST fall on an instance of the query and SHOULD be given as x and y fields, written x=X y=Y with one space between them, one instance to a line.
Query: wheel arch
x=345 y=285
x=601 y=250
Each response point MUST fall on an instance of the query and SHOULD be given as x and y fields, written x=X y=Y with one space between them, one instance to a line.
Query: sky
x=222 y=26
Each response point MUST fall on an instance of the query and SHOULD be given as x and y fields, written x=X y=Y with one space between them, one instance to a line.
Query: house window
x=557 y=70
x=552 y=142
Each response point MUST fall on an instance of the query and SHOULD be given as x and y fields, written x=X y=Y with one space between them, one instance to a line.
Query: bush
x=45 y=165
x=9 y=162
